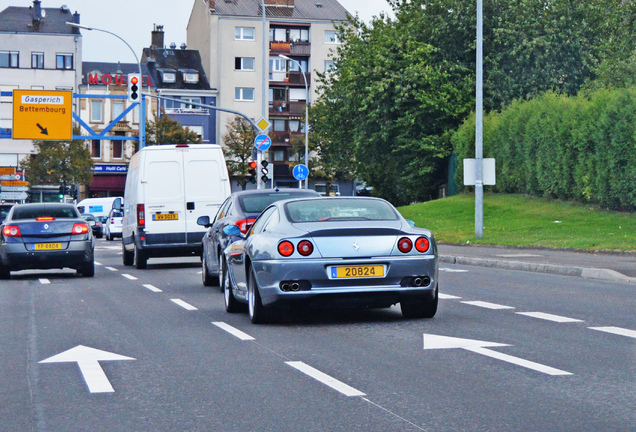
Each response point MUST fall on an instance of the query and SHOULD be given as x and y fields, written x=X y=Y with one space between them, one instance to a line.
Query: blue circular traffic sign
x=300 y=172
x=262 y=142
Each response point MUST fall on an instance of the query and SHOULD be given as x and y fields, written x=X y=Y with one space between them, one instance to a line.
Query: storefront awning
x=108 y=183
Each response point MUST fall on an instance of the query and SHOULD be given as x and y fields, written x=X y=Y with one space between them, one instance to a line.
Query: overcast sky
x=133 y=21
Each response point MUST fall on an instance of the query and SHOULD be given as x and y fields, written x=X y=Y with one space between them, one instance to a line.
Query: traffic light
x=60 y=194
x=134 y=82
x=264 y=171
x=252 y=172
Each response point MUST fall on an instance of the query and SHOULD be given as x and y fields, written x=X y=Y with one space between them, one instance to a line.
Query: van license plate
x=165 y=216
x=364 y=271
x=47 y=246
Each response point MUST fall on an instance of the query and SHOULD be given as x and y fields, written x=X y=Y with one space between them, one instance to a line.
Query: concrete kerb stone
x=592 y=273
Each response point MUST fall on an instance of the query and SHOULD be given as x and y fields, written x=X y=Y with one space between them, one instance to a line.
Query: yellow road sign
x=14 y=183
x=7 y=170
x=42 y=114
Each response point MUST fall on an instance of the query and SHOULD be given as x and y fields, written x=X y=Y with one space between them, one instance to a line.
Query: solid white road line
x=127 y=276
x=183 y=304
x=44 y=281
x=325 y=379
x=233 y=331
x=111 y=268
x=549 y=317
x=487 y=305
x=152 y=288
x=447 y=296
x=450 y=270
x=616 y=330
x=518 y=361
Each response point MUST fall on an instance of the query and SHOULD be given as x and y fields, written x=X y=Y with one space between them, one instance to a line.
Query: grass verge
x=518 y=220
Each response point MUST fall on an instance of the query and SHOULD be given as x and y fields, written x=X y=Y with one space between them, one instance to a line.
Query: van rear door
x=206 y=187
x=163 y=190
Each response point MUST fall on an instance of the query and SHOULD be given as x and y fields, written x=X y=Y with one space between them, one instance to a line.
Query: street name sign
x=7 y=171
x=14 y=195
x=42 y=114
x=14 y=188
x=14 y=183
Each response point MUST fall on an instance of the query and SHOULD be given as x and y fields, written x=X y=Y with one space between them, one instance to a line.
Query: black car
x=46 y=236
x=95 y=224
x=240 y=209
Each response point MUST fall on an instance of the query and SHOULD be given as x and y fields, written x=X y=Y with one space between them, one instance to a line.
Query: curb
x=585 y=272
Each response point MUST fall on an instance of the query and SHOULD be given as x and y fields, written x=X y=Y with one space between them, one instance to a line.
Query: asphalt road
x=544 y=352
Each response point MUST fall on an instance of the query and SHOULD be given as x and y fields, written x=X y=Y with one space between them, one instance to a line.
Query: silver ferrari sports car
x=317 y=252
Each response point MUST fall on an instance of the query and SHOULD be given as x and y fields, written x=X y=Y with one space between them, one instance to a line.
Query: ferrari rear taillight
x=305 y=248
x=80 y=228
x=285 y=248
x=245 y=224
x=11 y=231
x=405 y=245
x=141 y=215
x=422 y=244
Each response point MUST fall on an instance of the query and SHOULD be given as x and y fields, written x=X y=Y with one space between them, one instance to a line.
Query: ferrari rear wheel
x=258 y=313
x=420 y=307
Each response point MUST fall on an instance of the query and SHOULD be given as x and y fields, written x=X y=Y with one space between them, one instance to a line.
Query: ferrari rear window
x=35 y=211
x=339 y=209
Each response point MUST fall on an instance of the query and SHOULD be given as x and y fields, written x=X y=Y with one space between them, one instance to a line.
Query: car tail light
x=245 y=224
x=285 y=248
x=11 y=231
x=80 y=228
x=405 y=244
x=141 y=215
x=422 y=244
x=305 y=248
x=44 y=218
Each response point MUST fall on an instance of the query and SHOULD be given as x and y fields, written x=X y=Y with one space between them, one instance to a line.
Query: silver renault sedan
x=46 y=236
x=319 y=252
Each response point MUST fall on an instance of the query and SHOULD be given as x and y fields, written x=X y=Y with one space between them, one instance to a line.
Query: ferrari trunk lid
x=348 y=242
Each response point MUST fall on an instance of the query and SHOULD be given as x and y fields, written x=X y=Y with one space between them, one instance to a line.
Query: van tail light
x=422 y=244
x=245 y=224
x=305 y=248
x=405 y=245
x=141 y=215
x=11 y=231
x=285 y=248
x=80 y=228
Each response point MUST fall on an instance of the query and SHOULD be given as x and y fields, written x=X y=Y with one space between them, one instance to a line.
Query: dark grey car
x=240 y=209
x=321 y=252
x=46 y=236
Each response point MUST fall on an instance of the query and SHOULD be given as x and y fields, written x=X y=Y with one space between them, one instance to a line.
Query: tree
x=239 y=143
x=164 y=130
x=59 y=163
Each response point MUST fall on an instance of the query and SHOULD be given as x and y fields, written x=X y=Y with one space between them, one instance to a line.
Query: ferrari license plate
x=165 y=216
x=47 y=246
x=363 y=271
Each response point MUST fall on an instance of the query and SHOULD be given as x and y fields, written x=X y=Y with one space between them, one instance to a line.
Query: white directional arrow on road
x=480 y=347
x=88 y=361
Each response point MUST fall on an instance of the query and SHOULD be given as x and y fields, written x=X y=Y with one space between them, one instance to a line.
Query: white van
x=167 y=188
x=98 y=207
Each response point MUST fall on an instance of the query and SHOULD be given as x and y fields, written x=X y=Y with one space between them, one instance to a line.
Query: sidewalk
x=619 y=267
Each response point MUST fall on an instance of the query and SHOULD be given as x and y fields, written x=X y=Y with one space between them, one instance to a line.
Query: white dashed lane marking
x=487 y=305
x=127 y=276
x=233 y=331
x=111 y=268
x=152 y=288
x=448 y=297
x=325 y=379
x=617 y=331
x=549 y=317
x=183 y=304
x=44 y=281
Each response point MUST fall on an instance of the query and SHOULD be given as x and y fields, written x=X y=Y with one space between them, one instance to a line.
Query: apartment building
x=229 y=36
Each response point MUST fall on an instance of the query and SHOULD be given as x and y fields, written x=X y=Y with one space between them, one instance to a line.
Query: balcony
x=290 y=48
x=292 y=78
x=278 y=108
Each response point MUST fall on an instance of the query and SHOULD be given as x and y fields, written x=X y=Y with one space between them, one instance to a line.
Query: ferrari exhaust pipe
x=295 y=286
x=285 y=286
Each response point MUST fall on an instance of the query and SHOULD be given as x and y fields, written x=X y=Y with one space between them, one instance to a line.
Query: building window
x=298 y=35
x=118 y=108
x=279 y=155
x=37 y=87
x=293 y=66
x=244 y=94
x=244 y=33
x=277 y=94
x=331 y=36
x=329 y=65
x=294 y=125
x=9 y=59
x=37 y=60
x=279 y=125
x=190 y=77
x=96 y=111
x=118 y=149
x=96 y=149
x=64 y=61
x=197 y=130
x=168 y=76
x=185 y=104
x=244 y=63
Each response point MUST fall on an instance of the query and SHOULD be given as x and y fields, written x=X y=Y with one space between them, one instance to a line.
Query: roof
x=179 y=60
x=20 y=20
x=329 y=10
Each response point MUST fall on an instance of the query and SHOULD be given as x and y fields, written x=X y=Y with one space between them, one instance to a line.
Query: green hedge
x=579 y=148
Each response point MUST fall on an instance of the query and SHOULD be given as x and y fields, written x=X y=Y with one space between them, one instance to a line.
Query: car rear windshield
x=258 y=202
x=117 y=213
x=339 y=209
x=56 y=211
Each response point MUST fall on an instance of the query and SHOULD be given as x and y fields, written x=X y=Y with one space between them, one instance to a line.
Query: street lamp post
x=142 y=110
x=300 y=67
